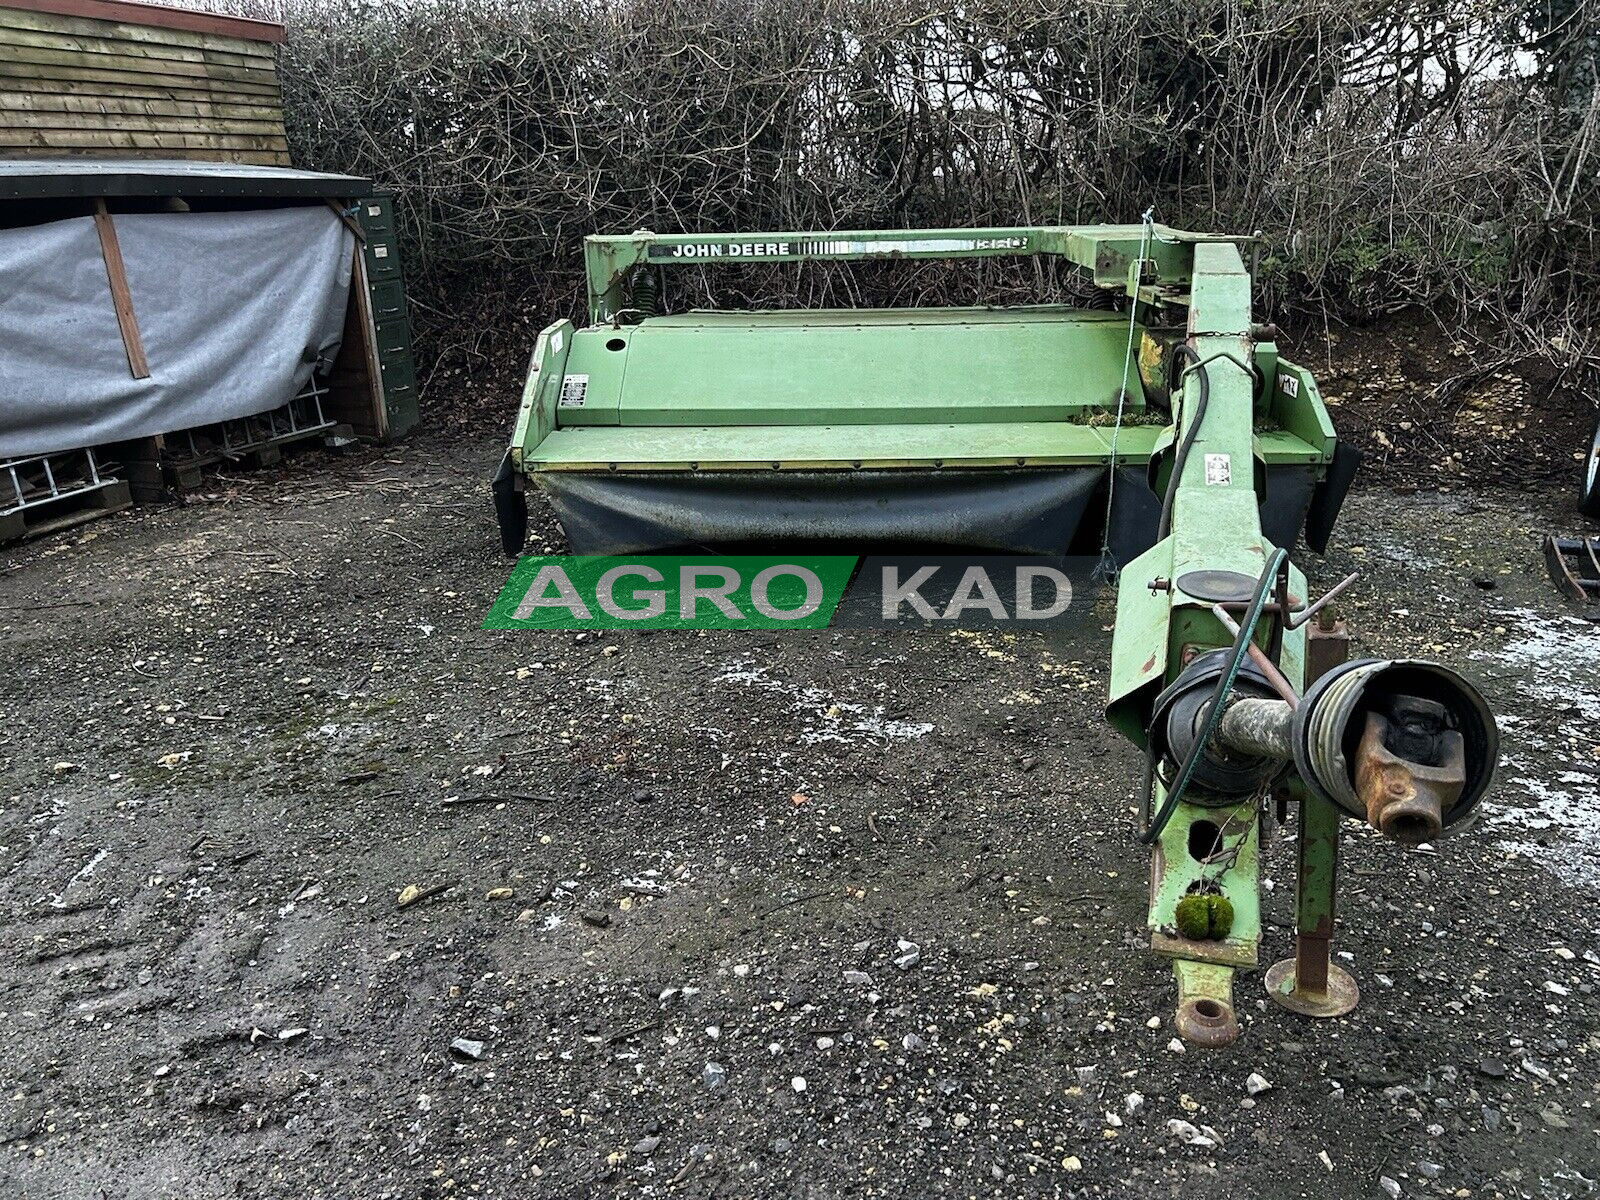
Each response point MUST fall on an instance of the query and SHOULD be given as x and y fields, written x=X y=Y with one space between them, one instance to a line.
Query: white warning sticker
x=573 y=390
x=1219 y=470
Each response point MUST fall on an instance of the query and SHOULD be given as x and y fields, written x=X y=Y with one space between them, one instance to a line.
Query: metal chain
x=1221 y=862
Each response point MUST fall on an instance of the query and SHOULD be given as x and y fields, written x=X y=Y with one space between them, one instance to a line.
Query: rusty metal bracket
x=1205 y=1015
x=1409 y=770
x=1574 y=566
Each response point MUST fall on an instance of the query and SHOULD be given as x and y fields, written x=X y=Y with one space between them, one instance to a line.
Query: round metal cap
x=1217 y=587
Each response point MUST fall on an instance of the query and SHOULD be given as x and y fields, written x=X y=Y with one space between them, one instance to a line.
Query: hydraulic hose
x=1213 y=711
x=1191 y=429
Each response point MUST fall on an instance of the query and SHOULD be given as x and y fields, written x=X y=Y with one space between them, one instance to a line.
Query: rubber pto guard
x=1220 y=777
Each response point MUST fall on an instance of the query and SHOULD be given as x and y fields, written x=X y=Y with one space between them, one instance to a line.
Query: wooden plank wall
x=80 y=86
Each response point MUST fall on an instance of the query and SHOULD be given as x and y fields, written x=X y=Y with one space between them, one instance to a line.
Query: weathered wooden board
x=49 y=74
x=121 y=31
x=78 y=84
x=11 y=35
x=131 y=87
x=12 y=123
x=128 y=144
x=136 y=64
x=155 y=105
x=121 y=298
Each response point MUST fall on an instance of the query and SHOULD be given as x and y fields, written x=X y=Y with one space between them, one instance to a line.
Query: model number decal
x=824 y=247
x=574 y=388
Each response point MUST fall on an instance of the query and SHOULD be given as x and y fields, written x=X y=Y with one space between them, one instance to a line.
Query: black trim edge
x=510 y=507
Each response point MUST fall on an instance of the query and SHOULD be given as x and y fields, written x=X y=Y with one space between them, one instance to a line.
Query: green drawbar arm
x=1215 y=527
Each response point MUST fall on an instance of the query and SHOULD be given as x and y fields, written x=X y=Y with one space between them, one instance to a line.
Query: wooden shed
x=108 y=78
x=164 y=261
x=176 y=294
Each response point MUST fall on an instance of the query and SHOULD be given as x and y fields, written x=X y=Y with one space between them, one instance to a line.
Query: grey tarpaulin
x=234 y=309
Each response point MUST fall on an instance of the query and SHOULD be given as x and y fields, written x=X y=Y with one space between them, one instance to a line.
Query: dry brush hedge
x=1435 y=152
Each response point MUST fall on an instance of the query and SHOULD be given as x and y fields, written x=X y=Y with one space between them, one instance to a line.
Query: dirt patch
x=1430 y=411
x=239 y=730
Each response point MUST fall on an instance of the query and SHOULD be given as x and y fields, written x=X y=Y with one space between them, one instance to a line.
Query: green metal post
x=1310 y=983
x=1317 y=869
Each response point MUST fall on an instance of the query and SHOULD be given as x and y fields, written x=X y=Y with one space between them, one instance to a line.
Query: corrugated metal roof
x=48 y=178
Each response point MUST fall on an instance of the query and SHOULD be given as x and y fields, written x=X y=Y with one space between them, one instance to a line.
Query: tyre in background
x=1589 y=489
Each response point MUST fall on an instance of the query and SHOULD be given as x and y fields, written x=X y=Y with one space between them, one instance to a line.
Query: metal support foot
x=1335 y=998
x=1309 y=983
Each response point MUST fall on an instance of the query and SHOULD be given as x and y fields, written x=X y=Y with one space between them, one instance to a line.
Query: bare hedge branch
x=1434 y=152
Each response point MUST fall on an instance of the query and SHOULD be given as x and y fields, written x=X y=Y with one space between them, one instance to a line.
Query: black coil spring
x=646 y=292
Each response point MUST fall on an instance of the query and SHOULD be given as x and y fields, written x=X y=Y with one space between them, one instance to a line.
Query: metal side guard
x=510 y=507
x=1329 y=496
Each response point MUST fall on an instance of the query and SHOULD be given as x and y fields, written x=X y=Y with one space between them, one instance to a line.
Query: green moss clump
x=1221 y=916
x=1205 y=917
x=1194 y=917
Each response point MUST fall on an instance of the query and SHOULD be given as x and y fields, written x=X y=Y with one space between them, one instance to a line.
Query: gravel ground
x=677 y=871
